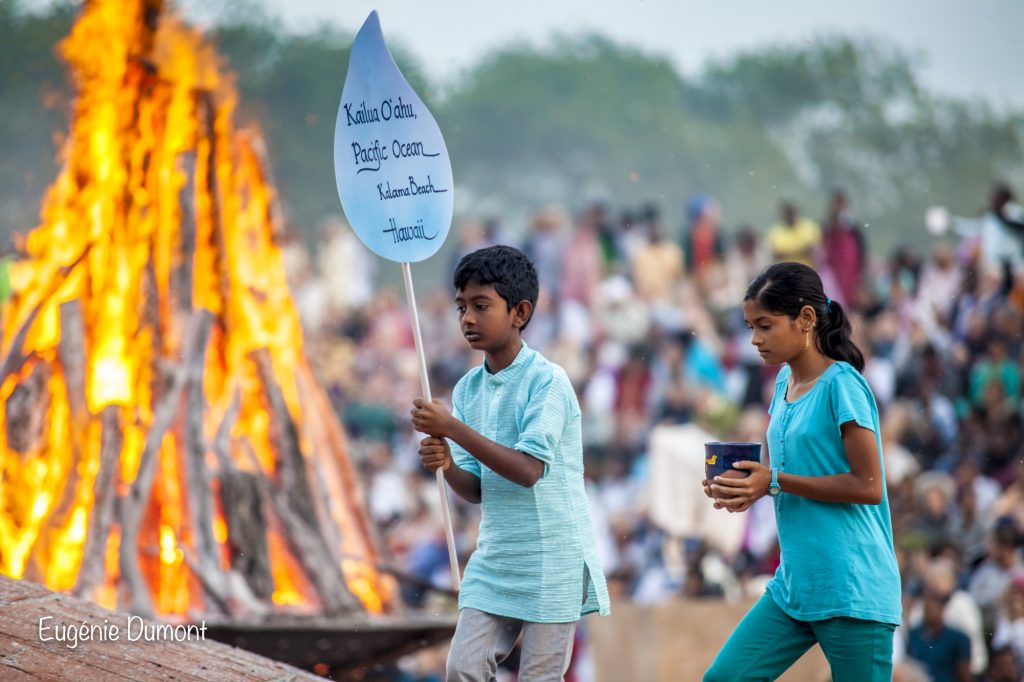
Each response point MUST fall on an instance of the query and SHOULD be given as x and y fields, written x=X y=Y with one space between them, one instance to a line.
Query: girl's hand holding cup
x=721 y=477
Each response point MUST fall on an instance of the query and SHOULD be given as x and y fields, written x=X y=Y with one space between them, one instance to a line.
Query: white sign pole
x=425 y=385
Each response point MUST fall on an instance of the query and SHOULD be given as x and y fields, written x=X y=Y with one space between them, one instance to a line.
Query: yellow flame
x=362 y=580
x=168 y=548
x=67 y=553
x=220 y=529
x=286 y=591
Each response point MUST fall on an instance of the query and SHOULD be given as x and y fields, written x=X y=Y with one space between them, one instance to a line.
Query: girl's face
x=778 y=338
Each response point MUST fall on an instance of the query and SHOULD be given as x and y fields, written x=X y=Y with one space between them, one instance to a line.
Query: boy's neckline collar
x=513 y=369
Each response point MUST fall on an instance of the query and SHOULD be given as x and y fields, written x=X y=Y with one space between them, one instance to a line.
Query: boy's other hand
x=431 y=418
x=435 y=454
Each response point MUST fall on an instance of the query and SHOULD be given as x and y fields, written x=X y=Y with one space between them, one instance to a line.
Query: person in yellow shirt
x=657 y=265
x=795 y=238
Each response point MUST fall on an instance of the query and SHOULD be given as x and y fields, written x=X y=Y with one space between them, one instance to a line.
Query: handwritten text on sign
x=390 y=161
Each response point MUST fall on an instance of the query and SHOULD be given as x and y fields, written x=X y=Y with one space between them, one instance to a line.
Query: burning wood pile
x=165 y=448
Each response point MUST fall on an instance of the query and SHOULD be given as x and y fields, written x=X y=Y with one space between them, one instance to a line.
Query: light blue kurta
x=837 y=559
x=536 y=545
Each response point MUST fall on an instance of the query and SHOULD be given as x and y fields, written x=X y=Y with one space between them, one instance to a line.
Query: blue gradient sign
x=390 y=161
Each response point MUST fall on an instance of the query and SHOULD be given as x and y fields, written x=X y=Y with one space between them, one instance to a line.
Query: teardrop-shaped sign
x=390 y=162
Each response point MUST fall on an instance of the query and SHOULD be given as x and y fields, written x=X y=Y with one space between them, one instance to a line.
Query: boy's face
x=485 y=318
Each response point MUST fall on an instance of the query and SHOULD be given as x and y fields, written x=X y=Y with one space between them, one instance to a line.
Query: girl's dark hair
x=505 y=268
x=785 y=288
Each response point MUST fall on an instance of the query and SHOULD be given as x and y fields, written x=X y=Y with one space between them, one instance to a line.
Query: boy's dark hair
x=505 y=268
x=785 y=288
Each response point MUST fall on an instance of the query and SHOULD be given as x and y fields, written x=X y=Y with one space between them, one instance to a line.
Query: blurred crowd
x=646 y=320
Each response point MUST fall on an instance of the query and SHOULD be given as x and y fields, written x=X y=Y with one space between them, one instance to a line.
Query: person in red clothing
x=702 y=239
x=632 y=386
x=845 y=250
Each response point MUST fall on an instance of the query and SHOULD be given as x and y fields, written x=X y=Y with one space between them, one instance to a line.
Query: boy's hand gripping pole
x=425 y=385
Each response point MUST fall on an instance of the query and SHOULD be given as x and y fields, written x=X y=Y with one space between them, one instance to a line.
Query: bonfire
x=165 y=446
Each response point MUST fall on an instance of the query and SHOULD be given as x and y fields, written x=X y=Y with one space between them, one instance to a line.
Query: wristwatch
x=773 y=487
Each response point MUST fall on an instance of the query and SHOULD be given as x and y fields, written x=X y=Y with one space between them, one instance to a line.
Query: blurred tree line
x=585 y=118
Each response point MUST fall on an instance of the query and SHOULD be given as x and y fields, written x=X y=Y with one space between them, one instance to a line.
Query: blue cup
x=719 y=457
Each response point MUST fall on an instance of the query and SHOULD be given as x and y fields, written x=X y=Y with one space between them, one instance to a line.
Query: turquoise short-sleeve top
x=536 y=555
x=837 y=559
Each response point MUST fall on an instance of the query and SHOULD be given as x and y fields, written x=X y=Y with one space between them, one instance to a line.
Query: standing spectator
x=1002 y=232
x=657 y=265
x=607 y=235
x=631 y=237
x=545 y=247
x=941 y=282
x=742 y=263
x=702 y=240
x=632 y=386
x=474 y=234
x=795 y=238
x=582 y=264
x=346 y=266
x=845 y=250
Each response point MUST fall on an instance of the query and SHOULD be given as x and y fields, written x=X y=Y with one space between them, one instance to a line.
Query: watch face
x=774 y=490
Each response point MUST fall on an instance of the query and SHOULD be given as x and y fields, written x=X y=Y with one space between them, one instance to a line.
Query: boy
x=513 y=444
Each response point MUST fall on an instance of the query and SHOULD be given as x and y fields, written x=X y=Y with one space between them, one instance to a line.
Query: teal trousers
x=767 y=641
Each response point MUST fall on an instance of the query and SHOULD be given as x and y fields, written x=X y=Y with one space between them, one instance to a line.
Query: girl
x=837 y=583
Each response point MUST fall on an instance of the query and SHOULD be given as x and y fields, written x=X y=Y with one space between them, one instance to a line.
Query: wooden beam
x=72 y=355
x=243 y=512
x=104 y=512
x=308 y=548
x=133 y=505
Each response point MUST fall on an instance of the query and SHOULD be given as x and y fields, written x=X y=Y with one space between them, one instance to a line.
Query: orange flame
x=161 y=208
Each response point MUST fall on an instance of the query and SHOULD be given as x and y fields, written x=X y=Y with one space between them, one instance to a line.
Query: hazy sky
x=967 y=46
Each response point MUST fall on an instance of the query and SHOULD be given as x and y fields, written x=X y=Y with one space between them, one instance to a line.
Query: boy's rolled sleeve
x=544 y=421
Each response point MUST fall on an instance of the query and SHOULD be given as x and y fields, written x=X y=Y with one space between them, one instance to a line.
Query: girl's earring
x=807 y=339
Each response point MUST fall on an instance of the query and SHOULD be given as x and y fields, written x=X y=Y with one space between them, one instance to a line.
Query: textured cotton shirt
x=536 y=555
x=837 y=558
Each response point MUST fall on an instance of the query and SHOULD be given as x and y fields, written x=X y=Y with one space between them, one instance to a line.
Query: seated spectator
x=1010 y=624
x=993 y=575
x=1010 y=502
x=944 y=652
x=935 y=493
x=960 y=613
x=1004 y=666
x=995 y=365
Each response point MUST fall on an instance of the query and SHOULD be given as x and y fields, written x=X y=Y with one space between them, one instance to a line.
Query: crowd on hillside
x=647 y=323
